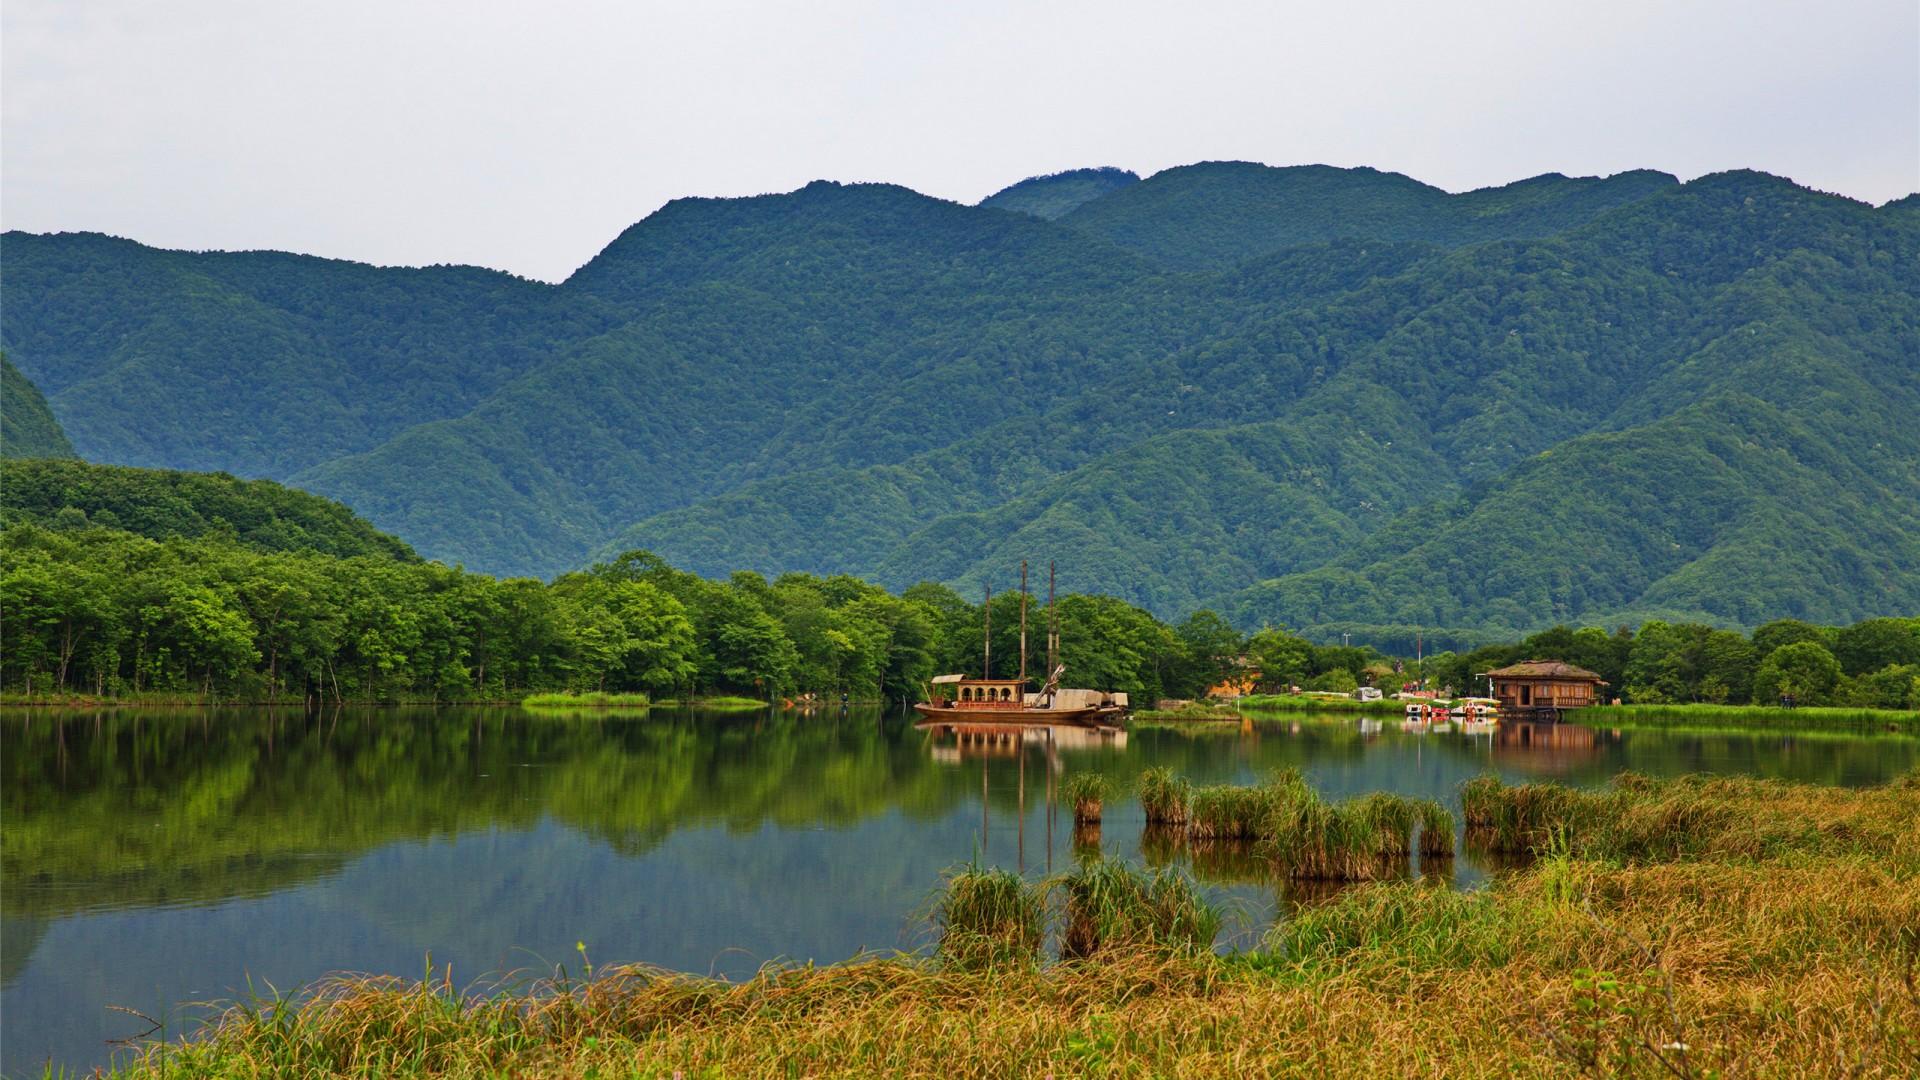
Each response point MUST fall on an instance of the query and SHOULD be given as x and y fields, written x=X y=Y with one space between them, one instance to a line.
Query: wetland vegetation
x=1779 y=936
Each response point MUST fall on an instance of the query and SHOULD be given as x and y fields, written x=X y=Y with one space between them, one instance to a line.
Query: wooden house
x=1545 y=686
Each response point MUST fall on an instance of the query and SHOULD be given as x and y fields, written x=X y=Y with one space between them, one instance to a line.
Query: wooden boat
x=962 y=699
x=957 y=699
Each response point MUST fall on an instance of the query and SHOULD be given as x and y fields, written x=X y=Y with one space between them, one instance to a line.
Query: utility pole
x=1023 y=626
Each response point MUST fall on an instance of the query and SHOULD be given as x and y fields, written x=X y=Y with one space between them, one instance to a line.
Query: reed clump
x=1363 y=839
x=1113 y=906
x=1227 y=812
x=990 y=918
x=1163 y=796
x=1088 y=792
x=1436 y=830
x=1640 y=819
x=1521 y=818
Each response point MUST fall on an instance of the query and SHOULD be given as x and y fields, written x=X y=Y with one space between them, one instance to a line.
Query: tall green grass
x=1163 y=796
x=1111 y=906
x=1421 y=927
x=990 y=918
x=1227 y=812
x=1087 y=792
x=1436 y=830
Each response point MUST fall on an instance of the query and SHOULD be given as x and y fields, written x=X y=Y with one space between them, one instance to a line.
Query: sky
x=524 y=136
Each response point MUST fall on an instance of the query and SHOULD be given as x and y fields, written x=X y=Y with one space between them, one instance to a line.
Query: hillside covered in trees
x=1321 y=398
x=162 y=504
x=27 y=426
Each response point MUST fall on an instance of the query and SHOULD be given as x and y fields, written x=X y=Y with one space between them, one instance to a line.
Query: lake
x=152 y=859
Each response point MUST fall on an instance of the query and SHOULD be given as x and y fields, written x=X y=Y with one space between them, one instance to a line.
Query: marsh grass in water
x=1436 y=830
x=1113 y=906
x=1782 y=939
x=1087 y=792
x=1163 y=796
x=990 y=918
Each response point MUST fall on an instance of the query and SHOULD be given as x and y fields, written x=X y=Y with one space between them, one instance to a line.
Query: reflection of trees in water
x=19 y=936
x=132 y=808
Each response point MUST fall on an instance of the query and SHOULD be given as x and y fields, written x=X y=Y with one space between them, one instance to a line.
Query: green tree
x=1803 y=671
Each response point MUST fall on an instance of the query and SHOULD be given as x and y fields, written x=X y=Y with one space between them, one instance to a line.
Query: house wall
x=1544 y=693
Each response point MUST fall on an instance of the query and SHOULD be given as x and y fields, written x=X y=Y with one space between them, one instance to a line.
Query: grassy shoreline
x=590 y=699
x=1779 y=936
x=1298 y=703
x=1750 y=718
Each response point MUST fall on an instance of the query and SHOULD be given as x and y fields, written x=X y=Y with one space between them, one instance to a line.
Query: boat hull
x=1020 y=714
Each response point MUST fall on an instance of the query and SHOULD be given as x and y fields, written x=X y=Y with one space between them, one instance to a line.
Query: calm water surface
x=151 y=860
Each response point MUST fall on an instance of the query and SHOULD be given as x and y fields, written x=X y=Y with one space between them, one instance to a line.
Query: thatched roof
x=1546 y=669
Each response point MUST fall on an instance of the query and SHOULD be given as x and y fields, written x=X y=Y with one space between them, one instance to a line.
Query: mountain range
x=1332 y=399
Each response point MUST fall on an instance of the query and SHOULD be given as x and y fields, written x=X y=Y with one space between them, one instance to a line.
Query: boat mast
x=986 y=650
x=1053 y=630
x=1023 y=626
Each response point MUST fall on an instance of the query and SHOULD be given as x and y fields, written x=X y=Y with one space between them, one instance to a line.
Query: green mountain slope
x=1218 y=213
x=259 y=362
x=27 y=427
x=1054 y=195
x=1305 y=394
x=164 y=504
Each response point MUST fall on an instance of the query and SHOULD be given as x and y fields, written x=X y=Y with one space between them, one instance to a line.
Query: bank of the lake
x=1750 y=718
x=1689 y=927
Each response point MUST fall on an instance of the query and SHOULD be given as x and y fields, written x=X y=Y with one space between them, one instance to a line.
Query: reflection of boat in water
x=974 y=739
x=962 y=699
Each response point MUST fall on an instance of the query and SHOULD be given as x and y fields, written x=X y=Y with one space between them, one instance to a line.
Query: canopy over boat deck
x=980 y=693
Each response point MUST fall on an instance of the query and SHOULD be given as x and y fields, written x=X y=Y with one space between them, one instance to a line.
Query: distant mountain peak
x=1056 y=194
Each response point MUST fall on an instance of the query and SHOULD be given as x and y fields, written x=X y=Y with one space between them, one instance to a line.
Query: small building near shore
x=1545 y=685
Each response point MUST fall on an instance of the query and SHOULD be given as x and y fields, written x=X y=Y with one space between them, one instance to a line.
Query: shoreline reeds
x=1112 y=906
x=990 y=918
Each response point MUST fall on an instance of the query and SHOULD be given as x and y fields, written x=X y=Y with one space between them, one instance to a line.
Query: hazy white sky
x=526 y=135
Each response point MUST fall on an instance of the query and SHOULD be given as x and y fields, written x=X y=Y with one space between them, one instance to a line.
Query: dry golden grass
x=1781 y=945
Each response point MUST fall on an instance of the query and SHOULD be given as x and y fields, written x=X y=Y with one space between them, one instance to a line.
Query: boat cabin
x=1545 y=685
x=959 y=691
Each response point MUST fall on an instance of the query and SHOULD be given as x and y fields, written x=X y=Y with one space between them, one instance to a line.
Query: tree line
x=96 y=610
x=102 y=611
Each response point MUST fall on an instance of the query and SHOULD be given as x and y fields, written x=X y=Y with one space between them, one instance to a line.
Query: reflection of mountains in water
x=951 y=744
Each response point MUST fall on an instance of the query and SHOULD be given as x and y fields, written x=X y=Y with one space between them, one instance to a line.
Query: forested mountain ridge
x=859 y=378
x=27 y=426
x=162 y=504
x=1057 y=194
x=1216 y=214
